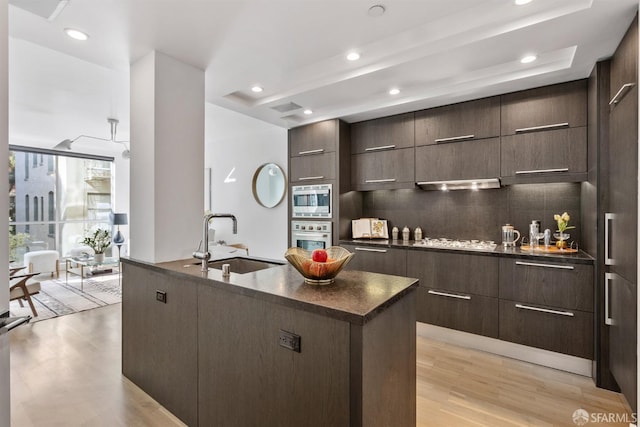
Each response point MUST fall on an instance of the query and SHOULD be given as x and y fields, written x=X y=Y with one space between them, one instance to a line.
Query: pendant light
x=126 y=154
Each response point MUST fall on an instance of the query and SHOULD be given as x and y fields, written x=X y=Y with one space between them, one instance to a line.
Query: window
x=51 y=208
x=26 y=211
x=79 y=194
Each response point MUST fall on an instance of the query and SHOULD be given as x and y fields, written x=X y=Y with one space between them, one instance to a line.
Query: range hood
x=462 y=184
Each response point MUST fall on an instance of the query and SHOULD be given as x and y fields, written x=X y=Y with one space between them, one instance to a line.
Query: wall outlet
x=289 y=340
x=161 y=296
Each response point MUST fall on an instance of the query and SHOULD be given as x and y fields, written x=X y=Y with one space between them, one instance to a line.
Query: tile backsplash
x=466 y=214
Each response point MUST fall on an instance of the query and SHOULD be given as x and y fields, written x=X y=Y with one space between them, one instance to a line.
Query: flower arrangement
x=98 y=240
x=563 y=222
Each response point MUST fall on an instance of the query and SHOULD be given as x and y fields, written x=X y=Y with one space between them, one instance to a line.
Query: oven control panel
x=323 y=226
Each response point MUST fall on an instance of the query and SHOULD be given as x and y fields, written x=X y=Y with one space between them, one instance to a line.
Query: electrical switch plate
x=161 y=296
x=289 y=340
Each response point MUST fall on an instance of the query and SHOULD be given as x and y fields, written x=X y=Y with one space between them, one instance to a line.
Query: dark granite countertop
x=580 y=257
x=356 y=296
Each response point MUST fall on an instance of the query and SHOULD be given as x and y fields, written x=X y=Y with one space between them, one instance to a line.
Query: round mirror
x=269 y=185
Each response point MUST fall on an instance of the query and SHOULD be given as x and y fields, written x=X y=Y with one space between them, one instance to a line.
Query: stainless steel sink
x=243 y=265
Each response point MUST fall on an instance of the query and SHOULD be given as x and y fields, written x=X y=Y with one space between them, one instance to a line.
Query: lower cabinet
x=457 y=291
x=378 y=260
x=465 y=312
x=547 y=305
x=549 y=328
x=159 y=339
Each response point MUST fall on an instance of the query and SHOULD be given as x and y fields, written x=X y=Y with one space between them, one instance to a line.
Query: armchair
x=21 y=289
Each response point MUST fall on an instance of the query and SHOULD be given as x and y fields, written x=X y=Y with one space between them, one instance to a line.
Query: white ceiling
x=435 y=51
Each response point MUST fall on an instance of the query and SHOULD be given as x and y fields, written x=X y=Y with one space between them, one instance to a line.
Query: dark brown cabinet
x=316 y=138
x=383 y=170
x=458 y=161
x=386 y=133
x=320 y=167
x=458 y=122
x=621 y=221
x=159 y=339
x=544 y=135
x=549 y=328
x=461 y=311
x=457 y=291
x=544 y=108
x=546 y=156
x=377 y=259
x=542 y=303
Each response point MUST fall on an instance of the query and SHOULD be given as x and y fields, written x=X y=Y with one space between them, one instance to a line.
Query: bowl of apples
x=320 y=266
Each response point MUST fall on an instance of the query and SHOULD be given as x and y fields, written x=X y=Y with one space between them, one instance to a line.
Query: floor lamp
x=118 y=219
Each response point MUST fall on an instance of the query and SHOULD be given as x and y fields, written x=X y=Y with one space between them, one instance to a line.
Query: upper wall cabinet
x=458 y=122
x=387 y=133
x=313 y=139
x=383 y=170
x=544 y=137
x=545 y=108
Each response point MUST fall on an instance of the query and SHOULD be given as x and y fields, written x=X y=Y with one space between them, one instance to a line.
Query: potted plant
x=98 y=240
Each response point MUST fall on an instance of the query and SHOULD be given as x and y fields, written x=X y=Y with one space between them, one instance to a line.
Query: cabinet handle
x=608 y=320
x=608 y=219
x=373 y=181
x=545 y=310
x=307 y=178
x=543 y=171
x=382 y=251
x=454 y=138
x=620 y=94
x=533 y=264
x=543 y=127
x=318 y=151
x=382 y=147
x=445 y=294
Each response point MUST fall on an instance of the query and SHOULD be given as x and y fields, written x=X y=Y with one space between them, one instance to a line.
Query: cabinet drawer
x=569 y=286
x=378 y=260
x=316 y=138
x=383 y=170
x=383 y=134
x=464 y=312
x=312 y=168
x=460 y=160
x=458 y=122
x=474 y=274
x=550 y=328
x=550 y=156
x=535 y=109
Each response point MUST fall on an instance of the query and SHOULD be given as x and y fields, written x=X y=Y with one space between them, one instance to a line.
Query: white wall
x=233 y=140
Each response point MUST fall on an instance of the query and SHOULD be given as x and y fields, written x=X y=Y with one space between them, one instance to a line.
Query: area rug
x=59 y=297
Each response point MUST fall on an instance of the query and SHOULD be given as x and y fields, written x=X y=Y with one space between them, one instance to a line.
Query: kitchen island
x=264 y=348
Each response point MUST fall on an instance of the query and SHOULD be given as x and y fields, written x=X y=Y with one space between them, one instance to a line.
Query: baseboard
x=551 y=359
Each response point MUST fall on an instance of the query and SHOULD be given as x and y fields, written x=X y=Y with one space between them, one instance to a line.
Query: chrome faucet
x=204 y=255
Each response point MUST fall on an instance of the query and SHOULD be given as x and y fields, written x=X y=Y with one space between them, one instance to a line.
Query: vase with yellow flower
x=563 y=224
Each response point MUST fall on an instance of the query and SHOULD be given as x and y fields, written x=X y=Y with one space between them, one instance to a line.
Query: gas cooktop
x=474 y=245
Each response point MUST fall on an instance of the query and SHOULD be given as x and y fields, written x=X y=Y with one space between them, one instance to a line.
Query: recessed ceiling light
x=394 y=91
x=527 y=59
x=256 y=89
x=353 y=56
x=307 y=112
x=76 y=34
x=376 y=10
x=521 y=2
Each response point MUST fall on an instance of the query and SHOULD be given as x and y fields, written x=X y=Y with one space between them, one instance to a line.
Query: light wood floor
x=67 y=372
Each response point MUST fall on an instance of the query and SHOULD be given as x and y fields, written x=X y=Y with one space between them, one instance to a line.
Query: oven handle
x=311 y=235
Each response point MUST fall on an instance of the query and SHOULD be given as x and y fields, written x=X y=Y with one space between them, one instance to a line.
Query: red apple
x=319 y=255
